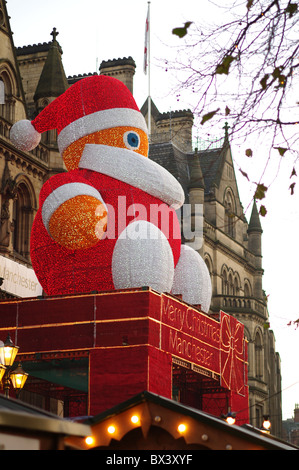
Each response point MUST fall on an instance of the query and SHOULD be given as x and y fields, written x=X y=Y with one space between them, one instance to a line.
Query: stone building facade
x=31 y=77
x=291 y=428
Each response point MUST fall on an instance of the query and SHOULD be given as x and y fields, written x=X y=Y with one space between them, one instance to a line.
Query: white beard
x=134 y=169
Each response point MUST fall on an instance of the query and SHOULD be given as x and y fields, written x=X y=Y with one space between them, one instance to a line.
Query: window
x=208 y=263
x=236 y=286
x=2 y=92
x=22 y=221
x=258 y=347
x=7 y=93
x=224 y=282
x=247 y=289
x=229 y=217
x=258 y=417
x=230 y=285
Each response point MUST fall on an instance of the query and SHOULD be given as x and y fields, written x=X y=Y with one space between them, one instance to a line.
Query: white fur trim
x=24 y=136
x=98 y=121
x=64 y=193
x=192 y=279
x=134 y=169
x=142 y=256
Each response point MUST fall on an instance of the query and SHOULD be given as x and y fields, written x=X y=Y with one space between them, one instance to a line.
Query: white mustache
x=135 y=170
x=103 y=152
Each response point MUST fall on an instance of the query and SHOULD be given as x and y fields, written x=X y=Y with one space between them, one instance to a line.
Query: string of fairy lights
x=112 y=430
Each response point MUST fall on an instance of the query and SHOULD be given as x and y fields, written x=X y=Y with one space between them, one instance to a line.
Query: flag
x=146 y=40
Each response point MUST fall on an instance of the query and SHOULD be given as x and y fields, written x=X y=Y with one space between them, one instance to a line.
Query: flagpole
x=149 y=73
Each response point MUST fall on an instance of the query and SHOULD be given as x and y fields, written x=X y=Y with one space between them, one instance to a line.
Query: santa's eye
x=132 y=140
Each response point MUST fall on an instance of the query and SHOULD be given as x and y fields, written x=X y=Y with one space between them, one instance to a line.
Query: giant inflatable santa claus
x=110 y=221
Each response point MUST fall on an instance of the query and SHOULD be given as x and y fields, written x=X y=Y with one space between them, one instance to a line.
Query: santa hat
x=89 y=105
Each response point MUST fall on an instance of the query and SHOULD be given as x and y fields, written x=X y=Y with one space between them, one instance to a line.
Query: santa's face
x=123 y=137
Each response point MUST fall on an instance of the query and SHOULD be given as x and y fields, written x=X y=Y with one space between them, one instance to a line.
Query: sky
x=97 y=30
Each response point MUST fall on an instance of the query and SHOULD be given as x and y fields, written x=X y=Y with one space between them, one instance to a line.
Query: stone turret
x=53 y=81
x=196 y=184
x=122 y=69
x=196 y=189
x=255 y=246
x=255 y=232
x=178 y=126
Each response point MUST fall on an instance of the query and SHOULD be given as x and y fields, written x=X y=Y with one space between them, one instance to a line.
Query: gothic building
x=30 y=78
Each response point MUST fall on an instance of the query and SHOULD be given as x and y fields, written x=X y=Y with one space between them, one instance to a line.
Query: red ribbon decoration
x=232 y=354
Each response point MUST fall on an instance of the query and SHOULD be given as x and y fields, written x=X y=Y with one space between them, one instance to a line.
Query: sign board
x=212 y=346
x=18 y=279
x=189 y=334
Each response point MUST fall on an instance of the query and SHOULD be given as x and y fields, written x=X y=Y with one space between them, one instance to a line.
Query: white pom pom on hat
x=24 y=136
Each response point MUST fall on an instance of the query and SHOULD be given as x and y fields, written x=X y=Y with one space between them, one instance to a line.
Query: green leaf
x=208 y=116
x=225 y=65
x=263 y=81
x=282 y=81
x=277 y=75
x=291 y=9
x=263 y=211
x=292 y=188
x=281 y=150
x=248 y=153
x=293 y=173
x=181 y=32
x=277 y=72
x=260 y=191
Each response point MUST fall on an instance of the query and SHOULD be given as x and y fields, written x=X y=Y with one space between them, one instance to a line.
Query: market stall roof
x=156 y=414
x=17 y=415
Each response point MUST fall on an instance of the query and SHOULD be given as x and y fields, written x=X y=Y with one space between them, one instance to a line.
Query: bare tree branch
x=246 y=68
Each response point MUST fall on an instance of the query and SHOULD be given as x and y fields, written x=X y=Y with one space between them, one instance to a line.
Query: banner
x=18 y=279
x=189 y=334
x=218 y=347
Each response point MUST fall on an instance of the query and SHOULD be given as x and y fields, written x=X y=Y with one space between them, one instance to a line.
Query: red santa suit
x=142 y=244
x=143 y=240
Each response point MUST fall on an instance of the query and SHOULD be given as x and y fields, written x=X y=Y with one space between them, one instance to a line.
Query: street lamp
x=230 y=417
x=8 y=352
x=266 y=424
x=18 y=378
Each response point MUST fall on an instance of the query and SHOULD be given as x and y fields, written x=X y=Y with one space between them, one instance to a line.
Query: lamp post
x=8 y=352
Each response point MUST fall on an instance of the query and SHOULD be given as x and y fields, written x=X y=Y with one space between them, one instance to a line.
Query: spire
x=254 y=224
x=53 y=81
x=196 y=177
x=226 y=140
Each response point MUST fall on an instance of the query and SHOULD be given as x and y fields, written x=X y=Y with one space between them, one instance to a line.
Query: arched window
x=208 y=262
x=258 y=349
x=236 y=286
x=2 y=92
x=209 y=265
x=7 y=107
x=229 y=217
x=247 y=289
x=230 y=284
x=22 y=221
x=224 y=282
